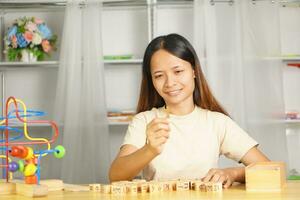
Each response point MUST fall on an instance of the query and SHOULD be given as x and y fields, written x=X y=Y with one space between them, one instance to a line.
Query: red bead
x=19 y=151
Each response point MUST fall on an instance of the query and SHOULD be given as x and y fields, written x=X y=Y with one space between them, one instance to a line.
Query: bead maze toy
x=19 y=153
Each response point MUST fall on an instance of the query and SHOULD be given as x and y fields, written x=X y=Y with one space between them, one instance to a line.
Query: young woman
x=180 y=129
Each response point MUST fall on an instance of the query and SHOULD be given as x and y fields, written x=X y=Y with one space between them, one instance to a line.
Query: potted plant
x=29 y=39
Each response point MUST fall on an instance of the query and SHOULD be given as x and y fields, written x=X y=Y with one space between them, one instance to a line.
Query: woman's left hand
x=225 y=176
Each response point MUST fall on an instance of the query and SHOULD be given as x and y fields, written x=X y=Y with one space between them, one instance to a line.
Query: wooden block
x=106 y=189
x=118 y=189
x=75 y=188
x=144 y=187
x=182 y=185
x=139 y=182
x=7 y=188
x=166 y=186
x=31 y=190
x=155 y=187
x=120 y=182
x=96 y=187
x=217 y=187
x=213 y=187
x=199 y=186
x=172 y=185
x=53 y=184
x=131 y=188
x=265 y=176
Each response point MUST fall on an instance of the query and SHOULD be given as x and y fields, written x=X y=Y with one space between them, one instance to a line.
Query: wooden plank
x=31 y=190
x=7 y=188
x=53 y=184
x=75 y=188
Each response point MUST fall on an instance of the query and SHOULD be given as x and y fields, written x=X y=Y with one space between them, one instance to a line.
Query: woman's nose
x=170 y=81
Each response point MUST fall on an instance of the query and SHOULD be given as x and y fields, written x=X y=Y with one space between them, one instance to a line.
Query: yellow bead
x=29 y=154
x=30 y=169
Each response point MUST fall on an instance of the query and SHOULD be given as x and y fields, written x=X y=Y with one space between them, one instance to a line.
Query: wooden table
x=291 y=191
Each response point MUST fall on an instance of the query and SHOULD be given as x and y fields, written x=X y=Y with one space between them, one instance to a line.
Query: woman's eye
x=158 y=76
x=178 y=71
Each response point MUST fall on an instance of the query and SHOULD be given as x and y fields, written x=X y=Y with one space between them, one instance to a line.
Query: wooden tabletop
x=291 y=191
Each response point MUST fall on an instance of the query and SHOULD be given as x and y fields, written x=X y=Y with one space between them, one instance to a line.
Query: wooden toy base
x=31 y=190
x=7 y=188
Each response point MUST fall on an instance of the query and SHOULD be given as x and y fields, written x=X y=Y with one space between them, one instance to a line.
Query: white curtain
x=237 y=44
x=80 y=102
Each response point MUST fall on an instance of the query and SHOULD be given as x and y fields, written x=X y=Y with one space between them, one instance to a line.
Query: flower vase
x=27 y=56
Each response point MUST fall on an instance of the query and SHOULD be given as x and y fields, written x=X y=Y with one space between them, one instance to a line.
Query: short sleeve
x=235 y=142
x=136 y=132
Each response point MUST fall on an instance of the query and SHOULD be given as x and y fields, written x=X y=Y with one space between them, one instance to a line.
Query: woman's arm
x=235 y=174
x=131 y=160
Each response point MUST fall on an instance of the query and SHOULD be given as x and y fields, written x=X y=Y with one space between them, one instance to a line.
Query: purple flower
x=21 y=40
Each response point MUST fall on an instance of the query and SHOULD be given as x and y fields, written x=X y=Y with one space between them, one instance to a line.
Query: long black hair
x=180 y=47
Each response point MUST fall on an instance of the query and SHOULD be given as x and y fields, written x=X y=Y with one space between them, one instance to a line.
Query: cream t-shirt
x=195 y=142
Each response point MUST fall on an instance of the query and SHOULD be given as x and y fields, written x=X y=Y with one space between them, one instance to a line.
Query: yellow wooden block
x=7 y=188
x=31 y=190
x=265 y=176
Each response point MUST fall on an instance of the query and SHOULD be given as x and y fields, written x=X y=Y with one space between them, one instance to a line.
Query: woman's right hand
x=157 y=134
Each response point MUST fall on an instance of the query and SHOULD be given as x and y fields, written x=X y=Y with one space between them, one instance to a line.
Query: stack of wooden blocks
x=142 y=186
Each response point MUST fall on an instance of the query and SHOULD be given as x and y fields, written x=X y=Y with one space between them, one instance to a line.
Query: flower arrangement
x=31 y=34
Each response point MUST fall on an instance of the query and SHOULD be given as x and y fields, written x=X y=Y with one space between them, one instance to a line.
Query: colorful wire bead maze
x=18 y=152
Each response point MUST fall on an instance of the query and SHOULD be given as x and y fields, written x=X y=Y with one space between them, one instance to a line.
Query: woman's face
x=173 y=78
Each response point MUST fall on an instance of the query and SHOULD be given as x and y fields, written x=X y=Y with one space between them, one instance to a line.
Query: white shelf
x=288 y=59
x=129 y=61
x=292 y=121
x=117 y=123
x=8 y=65
x=29 y=125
